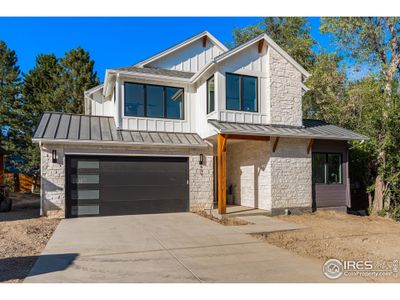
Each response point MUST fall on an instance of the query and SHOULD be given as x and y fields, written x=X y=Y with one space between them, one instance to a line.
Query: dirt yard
x=337 y=235
x=23 y=235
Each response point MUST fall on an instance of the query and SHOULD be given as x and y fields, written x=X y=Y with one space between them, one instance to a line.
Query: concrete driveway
x=180 y=247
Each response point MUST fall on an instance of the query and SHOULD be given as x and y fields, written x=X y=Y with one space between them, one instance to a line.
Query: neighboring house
x=188 y=125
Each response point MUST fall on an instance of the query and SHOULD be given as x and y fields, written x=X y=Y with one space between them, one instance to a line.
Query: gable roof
x=181 y=45
x=269 y=42
x=314 y=129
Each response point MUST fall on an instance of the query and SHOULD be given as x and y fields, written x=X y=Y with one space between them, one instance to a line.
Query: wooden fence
x=21 y=182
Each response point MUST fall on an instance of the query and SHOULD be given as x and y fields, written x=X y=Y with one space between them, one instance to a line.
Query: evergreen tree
x=77 y=75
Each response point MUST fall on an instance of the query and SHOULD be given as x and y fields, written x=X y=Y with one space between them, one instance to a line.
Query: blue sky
x=115 y=41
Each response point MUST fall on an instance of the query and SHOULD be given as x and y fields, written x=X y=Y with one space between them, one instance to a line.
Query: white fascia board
x=181 y=45
x=151 y=76
x=112 y=143
x=88 y=94
x=296 y=136
x=304 y=87
x=271 y=43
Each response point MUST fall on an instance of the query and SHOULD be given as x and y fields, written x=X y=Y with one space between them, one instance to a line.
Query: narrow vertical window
x=210 y=95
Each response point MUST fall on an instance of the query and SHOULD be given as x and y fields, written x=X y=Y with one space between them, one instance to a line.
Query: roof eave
x=113 y=143
x=151 y=76
x=181 y=45
x=305 y=136
x=271 y=43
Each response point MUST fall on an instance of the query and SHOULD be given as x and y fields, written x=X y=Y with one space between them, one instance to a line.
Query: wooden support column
x=310 y=144
x=222 y=173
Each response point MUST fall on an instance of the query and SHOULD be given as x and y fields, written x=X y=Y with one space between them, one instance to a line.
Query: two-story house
x=194 y=124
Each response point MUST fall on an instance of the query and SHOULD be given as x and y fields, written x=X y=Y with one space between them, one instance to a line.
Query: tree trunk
x=378 y=195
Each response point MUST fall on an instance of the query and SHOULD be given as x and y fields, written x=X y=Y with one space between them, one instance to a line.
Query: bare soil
x=342 y=236
x=23 y=235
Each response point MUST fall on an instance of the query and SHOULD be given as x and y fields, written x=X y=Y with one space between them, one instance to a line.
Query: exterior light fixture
x=201 y=158
x=54 y=155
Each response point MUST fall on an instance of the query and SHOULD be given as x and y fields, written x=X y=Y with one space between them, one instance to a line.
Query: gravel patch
x=23 y=235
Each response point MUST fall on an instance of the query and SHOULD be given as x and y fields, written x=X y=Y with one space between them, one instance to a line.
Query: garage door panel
x=142 y=207
x=132 y=193
x=126 y=185
x=143 y=179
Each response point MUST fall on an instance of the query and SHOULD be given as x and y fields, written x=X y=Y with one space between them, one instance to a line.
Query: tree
x=77 y=76
x=41 y=92
x=11 y=103
x=55 y=85
x=325 y=99
x=290 y=33
x=374 y=42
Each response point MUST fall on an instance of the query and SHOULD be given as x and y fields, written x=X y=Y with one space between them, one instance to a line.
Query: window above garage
x=153 y=101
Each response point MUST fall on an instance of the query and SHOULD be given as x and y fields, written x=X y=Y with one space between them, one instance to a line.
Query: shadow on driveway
x=17 y=268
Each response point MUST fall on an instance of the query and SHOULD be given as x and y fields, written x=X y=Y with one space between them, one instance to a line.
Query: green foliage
x=325 y=98
x=290 y=33
x=11 y=103
x=54 y=84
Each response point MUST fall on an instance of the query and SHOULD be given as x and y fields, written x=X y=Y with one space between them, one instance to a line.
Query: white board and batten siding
x=248 y=62
x=190 y=58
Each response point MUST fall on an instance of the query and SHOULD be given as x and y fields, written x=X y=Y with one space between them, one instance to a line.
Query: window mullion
x=164 y=102
x=145 y=100
x=240 y=92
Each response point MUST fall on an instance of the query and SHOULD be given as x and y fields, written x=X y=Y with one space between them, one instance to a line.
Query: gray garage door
x=108 y=186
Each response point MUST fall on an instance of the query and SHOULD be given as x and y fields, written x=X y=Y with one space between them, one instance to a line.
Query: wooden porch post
x=221 y=173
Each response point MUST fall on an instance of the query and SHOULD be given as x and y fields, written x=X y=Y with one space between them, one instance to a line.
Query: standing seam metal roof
x=311 y=129
x=70 y=127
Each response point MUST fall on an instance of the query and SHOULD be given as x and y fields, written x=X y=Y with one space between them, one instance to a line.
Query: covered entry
x=105 y=186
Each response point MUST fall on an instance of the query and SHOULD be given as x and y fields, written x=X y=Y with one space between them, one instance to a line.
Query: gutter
x=113 y=143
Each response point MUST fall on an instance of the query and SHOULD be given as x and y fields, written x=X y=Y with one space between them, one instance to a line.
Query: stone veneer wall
x=291 y=175
x=285 y=91
x=53 y=174
x=270 y=180
x=249 y=172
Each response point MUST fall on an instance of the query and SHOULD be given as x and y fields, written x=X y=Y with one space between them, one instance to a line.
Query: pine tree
x=77 y=76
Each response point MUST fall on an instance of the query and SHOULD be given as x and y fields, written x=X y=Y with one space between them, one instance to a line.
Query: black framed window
x=241 y=92
x=327 y=168
x=210 y=95
x=153 y=101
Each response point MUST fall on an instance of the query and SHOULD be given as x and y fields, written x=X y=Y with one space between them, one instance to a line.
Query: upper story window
x=327 y=168
x=241 y=92
x=210 y=95
x=153 y=101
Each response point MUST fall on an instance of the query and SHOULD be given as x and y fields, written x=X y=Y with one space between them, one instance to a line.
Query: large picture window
x=241 y=92
x=153 y=101
x=210 y=95
x=327 y=168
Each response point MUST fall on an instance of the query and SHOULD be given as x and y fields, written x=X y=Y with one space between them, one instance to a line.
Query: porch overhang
x=311 y=129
